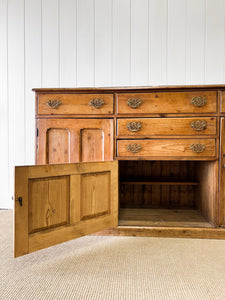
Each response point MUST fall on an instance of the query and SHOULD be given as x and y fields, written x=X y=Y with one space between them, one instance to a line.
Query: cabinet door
x=74 y=140
x=57 y=203
x=222 y=174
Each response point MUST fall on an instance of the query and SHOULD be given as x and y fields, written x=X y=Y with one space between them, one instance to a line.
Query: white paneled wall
x=72 y=43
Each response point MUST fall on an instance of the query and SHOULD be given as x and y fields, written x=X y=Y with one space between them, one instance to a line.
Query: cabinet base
x=169 y=232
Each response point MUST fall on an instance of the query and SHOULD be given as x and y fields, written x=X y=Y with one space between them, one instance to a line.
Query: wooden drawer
x=167 y=102
x=167 y=148
x=58 y=104
x=167 y=126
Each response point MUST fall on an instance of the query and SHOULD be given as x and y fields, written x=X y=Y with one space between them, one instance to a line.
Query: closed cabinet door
x=57 y=203
x=74 y=140
x=222 y=174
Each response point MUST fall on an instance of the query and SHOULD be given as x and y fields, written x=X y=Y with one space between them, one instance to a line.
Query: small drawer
x=167 y=148
x=167 y=126
x=58 y=104
x=167 y=102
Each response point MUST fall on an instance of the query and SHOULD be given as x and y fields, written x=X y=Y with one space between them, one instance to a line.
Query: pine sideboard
x=136 y=161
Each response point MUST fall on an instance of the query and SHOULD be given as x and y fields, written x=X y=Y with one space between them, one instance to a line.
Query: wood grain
x=75 y=104
x=167 y=126
x=167 y=147
x=61 y=207
x=167 y=102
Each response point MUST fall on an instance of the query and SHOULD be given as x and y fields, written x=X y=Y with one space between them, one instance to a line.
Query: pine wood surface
x=56 y=210
x=167 y=126
x=75 y=104
x=168 y=102
x=162 y=217
x=80 y=140
x=167 y=147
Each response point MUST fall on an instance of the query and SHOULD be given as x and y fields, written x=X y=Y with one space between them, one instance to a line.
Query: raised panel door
x=74 y=140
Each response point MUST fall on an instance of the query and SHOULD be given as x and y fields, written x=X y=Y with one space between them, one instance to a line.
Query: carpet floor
x=103 y=267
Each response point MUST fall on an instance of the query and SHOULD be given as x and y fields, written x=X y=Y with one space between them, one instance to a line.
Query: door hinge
x=20 y=199
x=37 y=132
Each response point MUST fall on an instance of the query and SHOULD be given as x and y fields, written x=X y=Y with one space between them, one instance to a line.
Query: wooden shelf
x=158 y=182
x=162 y=217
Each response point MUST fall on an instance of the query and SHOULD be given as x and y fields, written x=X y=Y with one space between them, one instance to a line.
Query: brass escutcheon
x=199 y=125
x=134 y=102
x=197 y=148
x=134 y=148
x=96 y=103
x=199 y=101
x=54 y=103
x=134 y=126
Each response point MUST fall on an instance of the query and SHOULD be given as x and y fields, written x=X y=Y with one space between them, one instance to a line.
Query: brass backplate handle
x=134 y=148
x=134 y=126
x=197 y=148
x=199 y=125
x=96 y=103
x=199 y=101
x=134 y=102
x=54 y=103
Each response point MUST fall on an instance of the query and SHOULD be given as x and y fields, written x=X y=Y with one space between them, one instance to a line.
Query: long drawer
x=167 y=147
x=167 y=126
x=167 y=102
x=56 y=104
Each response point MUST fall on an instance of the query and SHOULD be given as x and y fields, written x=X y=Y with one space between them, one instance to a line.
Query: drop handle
x=54 y=103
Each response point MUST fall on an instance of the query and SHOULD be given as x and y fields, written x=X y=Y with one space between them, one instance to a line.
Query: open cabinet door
x=57 y=203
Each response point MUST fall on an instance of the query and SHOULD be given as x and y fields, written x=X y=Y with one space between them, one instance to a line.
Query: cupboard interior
x=167 y=193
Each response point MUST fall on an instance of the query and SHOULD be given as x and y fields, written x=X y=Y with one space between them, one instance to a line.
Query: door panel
x=62 y=202
x=74 y=140
x=57 y=146
x=92 y=145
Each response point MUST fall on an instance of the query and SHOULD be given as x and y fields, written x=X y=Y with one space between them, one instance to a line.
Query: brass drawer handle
x=197 y=148
x=54 y=103
x=134 y=148
x=96 y=103
x=199 y=125
x=134 y=126
x=199 y=101
x=134 y=102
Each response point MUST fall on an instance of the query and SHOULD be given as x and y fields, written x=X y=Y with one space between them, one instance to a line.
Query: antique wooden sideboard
x=163 y=172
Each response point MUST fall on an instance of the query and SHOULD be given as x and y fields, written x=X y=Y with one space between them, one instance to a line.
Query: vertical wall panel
x=67 y=43
x=33 y=70
x=176 y=56
x=195 y=41
x=50 y=43
x=85 y=43
x=215 y=39
x=157 y=42
x=17 y=116
x=4 y=159
x=103 y=42
x=121 y=42
x=139 y=43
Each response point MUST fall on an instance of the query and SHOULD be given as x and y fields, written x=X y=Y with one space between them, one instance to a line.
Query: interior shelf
x=157 y=182
x=162 y=217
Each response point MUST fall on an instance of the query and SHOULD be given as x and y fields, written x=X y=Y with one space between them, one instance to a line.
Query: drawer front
x=167 y=148
x=167 y=126
x=171 y=102
x=55 y=104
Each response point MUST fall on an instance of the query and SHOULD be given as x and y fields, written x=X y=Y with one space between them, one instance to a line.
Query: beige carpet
x=96 y=267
